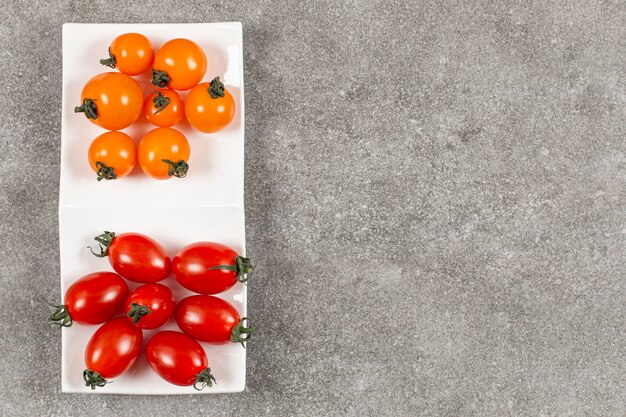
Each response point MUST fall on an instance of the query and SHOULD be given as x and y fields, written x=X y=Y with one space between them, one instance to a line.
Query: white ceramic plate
x=205 y=205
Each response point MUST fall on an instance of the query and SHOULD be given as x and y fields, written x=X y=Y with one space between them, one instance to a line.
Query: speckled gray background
x=435 y=190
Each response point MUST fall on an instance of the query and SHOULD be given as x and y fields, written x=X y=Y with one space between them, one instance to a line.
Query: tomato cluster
x=115 y=100
x=206 y=268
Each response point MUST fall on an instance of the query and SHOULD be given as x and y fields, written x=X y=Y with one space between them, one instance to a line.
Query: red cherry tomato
x=150 y=306
x=112 y=349
x=134 y=256
x=210 y=268
x=211 y=319
x=93 y=299
x=179 y=359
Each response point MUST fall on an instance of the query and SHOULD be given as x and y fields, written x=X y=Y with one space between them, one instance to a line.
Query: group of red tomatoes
x=101 y=297
x=114 y=101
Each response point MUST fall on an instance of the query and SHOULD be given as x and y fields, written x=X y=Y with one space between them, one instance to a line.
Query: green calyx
x=204 y=379
x=241 y=332
x=61 y=317
x=104 y=241
x=177 y=169
x=105 y=172
x=160 y=78
x=160 y=102
x=93 y=379
x=110 y=61
x=137 y=311
x=216 y=89
x=243 y=268
x=89 y=108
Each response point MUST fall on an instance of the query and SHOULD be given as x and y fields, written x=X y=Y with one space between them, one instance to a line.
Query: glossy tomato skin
x=191 y=267
x=162 y=143
x=132 y=54
x=176 y=357
x=96 y=298
x=114 y=347
x=117 y=97
x=139 y=258
x=168 y=115
x=207 y=114
x=183 y=61
x=158 y=299
x=206 y=318
x=115 y=150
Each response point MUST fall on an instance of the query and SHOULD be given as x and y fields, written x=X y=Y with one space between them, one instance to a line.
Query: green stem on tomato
x=61 y=317
x=160 y=78
x=160 y=102
x=105 y=172
x=204 y=379
x=89 y=108
x=93 y=379
x=137 y=311
x=110 y=61
x=216 y=89
x=243 y=267
x=104 y=241
x=241 y=332
x=177 y=169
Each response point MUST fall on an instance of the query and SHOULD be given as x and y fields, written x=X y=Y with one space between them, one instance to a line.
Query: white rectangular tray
x=205 y=205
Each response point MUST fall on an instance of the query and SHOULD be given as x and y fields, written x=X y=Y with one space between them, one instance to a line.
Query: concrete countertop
x=434 y=190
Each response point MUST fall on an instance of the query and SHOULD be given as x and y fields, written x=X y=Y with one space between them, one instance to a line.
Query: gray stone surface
x=435 y=190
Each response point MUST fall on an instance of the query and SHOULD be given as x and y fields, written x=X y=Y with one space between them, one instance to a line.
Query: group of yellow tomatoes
x=114 y=101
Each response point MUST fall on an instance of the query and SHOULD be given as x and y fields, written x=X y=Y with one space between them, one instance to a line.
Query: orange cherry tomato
x=112 y=155
x=111 y=100
x=130 y=53
x=164 y=108
x=179 y=64
x=163 y=153
x=210 y=107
